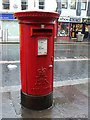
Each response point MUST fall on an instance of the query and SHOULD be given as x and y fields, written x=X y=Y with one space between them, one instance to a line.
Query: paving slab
x=8 y=110
x=68 y=102
x=83 y=88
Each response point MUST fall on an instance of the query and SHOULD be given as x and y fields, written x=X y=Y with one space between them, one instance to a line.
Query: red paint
x=55 y=28
x=63 y=37
x=36 y=75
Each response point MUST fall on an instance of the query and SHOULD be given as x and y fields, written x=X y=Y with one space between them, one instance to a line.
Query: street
x=71 y=62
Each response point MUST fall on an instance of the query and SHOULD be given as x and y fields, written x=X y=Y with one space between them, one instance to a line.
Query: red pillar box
x=37 y=58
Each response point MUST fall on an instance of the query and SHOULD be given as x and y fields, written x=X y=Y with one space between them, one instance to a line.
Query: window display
x=76 y=28
x=79 y=27
x=6 y=4
x=86 y=28
x=63 y=29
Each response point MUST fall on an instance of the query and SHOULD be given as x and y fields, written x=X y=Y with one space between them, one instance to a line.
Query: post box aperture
x=36 y=58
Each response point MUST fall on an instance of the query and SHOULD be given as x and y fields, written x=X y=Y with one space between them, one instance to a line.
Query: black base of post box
x=37 y=102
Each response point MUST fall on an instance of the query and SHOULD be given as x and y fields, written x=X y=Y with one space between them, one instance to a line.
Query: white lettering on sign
x=42 y=46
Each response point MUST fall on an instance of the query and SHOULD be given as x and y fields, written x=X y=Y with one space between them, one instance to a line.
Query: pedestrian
x=88 y=38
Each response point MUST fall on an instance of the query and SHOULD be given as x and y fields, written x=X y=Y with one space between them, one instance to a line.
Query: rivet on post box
x=36 y=58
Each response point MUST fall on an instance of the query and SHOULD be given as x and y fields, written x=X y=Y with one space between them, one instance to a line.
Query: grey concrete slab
x=68 y=102
x=78 y=105
x=8 y=110
x=83 y=88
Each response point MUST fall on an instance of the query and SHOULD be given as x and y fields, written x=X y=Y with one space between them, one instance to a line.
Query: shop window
x=86 y=28
x=73 y=4
x=83 y=5
x=41 y=4
x=63 y=29
x=6 y=4
x=79 y=27
x=24 y=4
x=64 y=4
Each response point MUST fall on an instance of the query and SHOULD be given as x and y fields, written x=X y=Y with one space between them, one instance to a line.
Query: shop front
x=76 y=26
x=81 y=27
x=9 y=27
x=86 y=24
x=68 y=27
x=63 y=31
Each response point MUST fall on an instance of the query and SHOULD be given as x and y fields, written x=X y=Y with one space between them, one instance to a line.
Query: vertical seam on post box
x=26 y=66
x=26 y=77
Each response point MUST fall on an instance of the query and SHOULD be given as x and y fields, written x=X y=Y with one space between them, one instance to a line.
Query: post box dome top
x=38 y=16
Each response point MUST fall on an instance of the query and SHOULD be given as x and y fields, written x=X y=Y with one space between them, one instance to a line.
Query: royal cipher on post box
x=36 y=58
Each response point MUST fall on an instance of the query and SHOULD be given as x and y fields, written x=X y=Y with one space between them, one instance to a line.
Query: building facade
x=74 y=16
x=9 y=27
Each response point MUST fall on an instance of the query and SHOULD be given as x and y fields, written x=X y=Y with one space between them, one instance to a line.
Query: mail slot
x=36 y=58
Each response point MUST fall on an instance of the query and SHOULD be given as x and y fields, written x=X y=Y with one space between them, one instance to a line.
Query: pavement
x=69 y=101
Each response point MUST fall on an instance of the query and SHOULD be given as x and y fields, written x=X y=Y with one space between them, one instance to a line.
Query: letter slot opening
x=42 y=31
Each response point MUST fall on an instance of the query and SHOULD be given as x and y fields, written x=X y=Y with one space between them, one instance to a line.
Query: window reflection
x=24 y=4
x=41 y=4
x=83 y=4
x=6 y=4
x=73 y=4
x=64 y=3
x=63 y=29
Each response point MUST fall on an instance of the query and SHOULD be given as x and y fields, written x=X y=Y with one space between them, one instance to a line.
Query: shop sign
x=86 y=20
x=64 y=19
x=77 y=20
x=6 y=17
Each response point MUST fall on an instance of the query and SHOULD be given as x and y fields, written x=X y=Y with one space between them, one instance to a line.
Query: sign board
x=42 y=46
x=86 y=20
x=64 y=19
x=67 y=19
x=77 y=20
x=7 y=17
